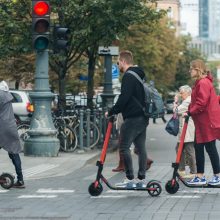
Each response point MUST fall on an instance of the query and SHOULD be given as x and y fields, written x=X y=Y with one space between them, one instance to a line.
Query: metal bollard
x=88 y=134
x=94 y=121
x=81 y=113
x=100 y=125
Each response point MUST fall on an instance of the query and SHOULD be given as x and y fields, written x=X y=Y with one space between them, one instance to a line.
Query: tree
x=156 y=50
x=93 y=23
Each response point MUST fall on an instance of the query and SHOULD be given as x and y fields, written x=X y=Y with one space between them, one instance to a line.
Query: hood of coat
x=4 y=86
x=137 y=70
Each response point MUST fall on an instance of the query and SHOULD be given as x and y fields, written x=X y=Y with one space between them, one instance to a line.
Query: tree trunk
x=90 y=85
x=62 y=94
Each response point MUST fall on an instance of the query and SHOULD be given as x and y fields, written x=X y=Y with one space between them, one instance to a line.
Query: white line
x=183 y=197
x=55 y=191
x=36 y=196
x=122 y=191
x=101 y=197
x=3 y=190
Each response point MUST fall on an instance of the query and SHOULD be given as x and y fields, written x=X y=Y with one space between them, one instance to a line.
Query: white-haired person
x=181 y=106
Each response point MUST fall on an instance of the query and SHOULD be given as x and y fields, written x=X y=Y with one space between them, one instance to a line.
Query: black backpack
x=154 y=106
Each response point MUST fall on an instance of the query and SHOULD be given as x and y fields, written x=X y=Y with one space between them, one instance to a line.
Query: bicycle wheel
x=23 y=134
x=68 y=139
x=90 y=134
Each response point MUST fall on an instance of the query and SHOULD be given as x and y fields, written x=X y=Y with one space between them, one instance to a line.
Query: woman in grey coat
x=9 y=139
x=188 y=147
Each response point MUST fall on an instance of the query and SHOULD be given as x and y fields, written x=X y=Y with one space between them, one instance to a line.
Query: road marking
x=184 y=197
x=107 y=196
x=36 y=196
x=38 y=169
x=55 y=191
x=3 y=190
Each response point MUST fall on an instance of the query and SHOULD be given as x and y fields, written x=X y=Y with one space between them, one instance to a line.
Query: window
x=16 y=98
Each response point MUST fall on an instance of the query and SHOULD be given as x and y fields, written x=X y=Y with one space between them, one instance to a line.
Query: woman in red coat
x=205 y=112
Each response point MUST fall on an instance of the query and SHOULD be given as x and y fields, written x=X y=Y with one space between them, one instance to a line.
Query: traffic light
x=40 y=24
x=61 y=38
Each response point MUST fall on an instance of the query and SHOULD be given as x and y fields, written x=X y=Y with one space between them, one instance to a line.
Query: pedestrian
x=121 y=166
x=205 y=111
x=188 y=146
x=9 y=139
x=133 y=129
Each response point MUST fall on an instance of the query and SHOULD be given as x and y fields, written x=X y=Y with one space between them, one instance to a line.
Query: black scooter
x=172 y=186
x=95 y=188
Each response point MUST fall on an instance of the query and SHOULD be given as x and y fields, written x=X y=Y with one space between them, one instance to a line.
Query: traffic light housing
x=40 y=24
x=61 y=38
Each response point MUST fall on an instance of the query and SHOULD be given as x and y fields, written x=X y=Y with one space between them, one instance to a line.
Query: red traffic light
x=41 y=8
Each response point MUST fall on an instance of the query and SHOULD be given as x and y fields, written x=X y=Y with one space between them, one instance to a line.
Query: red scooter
x=95 y=188
x=172 y=186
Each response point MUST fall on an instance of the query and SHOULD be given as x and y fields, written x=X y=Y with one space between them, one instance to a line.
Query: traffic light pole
x=42 y=141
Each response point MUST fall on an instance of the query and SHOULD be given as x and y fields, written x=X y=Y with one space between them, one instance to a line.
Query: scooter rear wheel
x=95 y=191
x=172 y=186
x=156 y=188
x=7 y=180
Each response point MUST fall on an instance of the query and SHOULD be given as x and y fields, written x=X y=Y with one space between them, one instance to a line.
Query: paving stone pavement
x=57 y=188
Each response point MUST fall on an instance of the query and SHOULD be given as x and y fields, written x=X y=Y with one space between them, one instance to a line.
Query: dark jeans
x=16 y=160
x=213 y=155
x=133 y=130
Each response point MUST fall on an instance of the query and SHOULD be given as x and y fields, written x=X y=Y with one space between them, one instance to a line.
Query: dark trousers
x=213 y=155
x=133 y=130
x=16 y=160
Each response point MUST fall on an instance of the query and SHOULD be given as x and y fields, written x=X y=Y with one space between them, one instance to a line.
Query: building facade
x=173 y=8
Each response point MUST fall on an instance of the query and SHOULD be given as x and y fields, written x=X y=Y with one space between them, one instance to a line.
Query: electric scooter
x=172 y=186
x=95 y=189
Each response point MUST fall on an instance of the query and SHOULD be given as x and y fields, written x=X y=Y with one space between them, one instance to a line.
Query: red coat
x=205 y=110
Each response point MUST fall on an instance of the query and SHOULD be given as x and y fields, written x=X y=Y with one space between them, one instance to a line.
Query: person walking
x=121 y=166
x=205 y=112
x=188 y=146
x=133 y=129
x=9 y=139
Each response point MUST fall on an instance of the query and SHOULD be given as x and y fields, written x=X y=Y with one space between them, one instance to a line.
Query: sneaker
x=214 y=181
x=141 y=184
x=197 y=181
x=19 y=184
x=126 y=183
x=182 y=173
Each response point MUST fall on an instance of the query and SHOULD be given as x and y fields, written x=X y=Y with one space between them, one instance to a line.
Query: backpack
x=154 y=106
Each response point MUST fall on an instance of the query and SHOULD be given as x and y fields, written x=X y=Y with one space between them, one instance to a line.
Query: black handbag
x=172 y=126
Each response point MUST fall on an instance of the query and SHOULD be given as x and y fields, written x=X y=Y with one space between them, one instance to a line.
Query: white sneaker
x=141 y=184
x=126 y=183
x=214 y=181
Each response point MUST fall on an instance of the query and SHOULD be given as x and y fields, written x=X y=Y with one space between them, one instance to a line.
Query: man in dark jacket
x=9 y=139
x=133 y=130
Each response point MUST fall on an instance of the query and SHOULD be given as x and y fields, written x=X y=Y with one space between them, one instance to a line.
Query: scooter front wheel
x=172 y=186
x=95 y=190
x=154 y=188
x=6 y=180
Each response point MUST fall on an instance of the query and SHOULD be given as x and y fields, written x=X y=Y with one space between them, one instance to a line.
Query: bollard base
x=42 y=147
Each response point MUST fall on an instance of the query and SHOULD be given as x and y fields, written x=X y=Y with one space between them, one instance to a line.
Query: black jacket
x=130 y=86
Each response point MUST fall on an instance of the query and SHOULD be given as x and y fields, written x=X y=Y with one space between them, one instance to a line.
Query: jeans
x=16 y=160
x=133 y=130
x=213 y=155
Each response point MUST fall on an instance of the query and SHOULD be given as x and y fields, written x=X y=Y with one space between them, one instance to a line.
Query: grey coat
x=9 y=139
x=190 y=132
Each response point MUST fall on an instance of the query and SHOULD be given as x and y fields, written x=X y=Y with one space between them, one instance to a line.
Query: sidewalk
x=44 y=167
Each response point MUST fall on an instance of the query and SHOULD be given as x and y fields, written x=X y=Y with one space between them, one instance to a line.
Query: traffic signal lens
x=41 y=8
x=41 y=43
x=41 y=26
